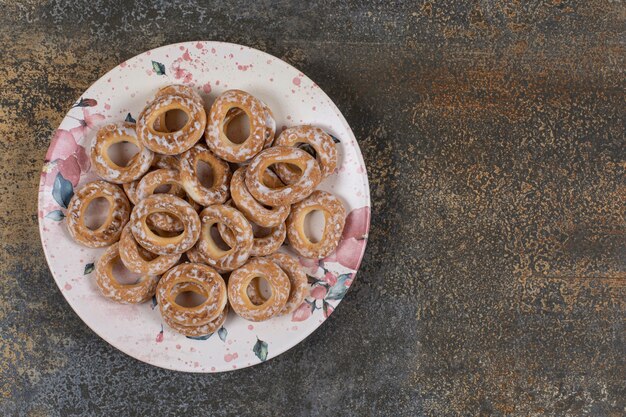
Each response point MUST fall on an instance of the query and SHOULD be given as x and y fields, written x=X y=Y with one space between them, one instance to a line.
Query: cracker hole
x=122 y=274
x=175 y=120
x=293 y=168
x=259 y=291
x=259 y=231
x=158 y=230
x=96 y=213
x=204 y=172
x=163 y=189
x=121 y=153
x=190 y=299
x=145 y=254
x=217 y=238
x=237 y=129
x=307 y=148
x=314 y=224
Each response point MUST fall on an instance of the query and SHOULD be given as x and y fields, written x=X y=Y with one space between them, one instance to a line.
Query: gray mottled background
x=494 y=281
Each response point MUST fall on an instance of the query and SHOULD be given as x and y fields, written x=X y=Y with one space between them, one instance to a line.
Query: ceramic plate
x=211 y=68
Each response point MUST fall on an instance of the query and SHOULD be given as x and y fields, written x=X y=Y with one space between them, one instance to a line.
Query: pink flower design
x=181 y=73
x=357 y=223
x=319 y=292
x=310 y=266
x=89 y=121
x=66 y=156
x=330 y=278
x=353 y=240
x=302 y=313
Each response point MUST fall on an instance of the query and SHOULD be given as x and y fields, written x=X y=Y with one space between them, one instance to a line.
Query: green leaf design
x=205 y=337
x=56 y=215
x=86 y=102
x=130 y=119
x=89 y=268
x=335 y=139
x=62 y=191
x=325 y=307
x=222 y=333
x=260 y=349
x=338 y=291
x=312 y=280
x=158 y=68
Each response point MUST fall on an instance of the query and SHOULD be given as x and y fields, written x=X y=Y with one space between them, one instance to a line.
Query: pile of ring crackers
x=218 y=237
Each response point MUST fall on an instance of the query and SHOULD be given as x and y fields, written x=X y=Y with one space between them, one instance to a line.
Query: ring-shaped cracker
x=139 y=260
x=334 y=221
x=316 y=138
x=309 y=179
x=104 y=166
x=171 y=143
x=238 y=226
x=117 y=216
x=219 y=118
x=250 y=207
x=217 y=193
x=263 y=245
x=111 y=288
x=165 y=203
x=238 y=289
x=297 y=278
x=159 y=162
x=191 y=277
x=147 y=186
x=200 y=330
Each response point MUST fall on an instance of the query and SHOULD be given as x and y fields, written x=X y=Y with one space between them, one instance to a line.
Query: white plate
x=210 y=67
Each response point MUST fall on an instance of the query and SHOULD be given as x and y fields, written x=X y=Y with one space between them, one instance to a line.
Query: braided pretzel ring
x=165 y=203
x=111 y=288
x=252 y=209
x=219 y=119
x=171 y=143
x=289 y=194
x=334 y=217
x=218 y=192
x=108 y=136
x=320 y=141
x=201 y=330
x=239 y=227
x=238 y=289
x=109 y=232
x=198 y=278
x=138 y=260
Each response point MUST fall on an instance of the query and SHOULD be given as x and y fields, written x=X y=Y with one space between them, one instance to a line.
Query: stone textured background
x=494 y=282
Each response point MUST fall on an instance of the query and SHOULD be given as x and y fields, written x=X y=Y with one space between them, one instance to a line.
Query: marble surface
x=494 y=281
